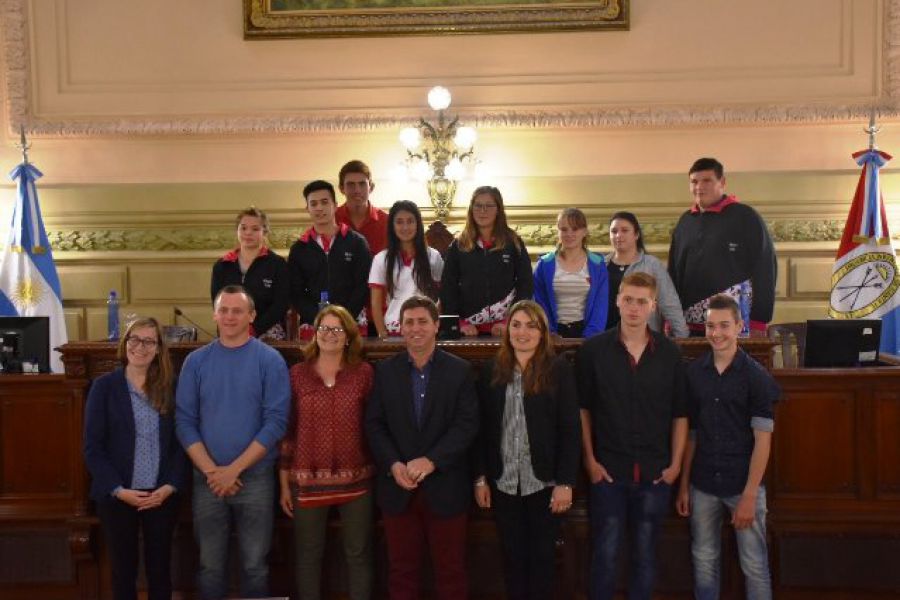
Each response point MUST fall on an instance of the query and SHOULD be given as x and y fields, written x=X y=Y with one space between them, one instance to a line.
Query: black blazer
x=449 y=427
x=551 y=418
x=109 y=439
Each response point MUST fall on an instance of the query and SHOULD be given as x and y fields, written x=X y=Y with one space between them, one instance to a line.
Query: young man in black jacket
x=328 y=258
x=721 y=246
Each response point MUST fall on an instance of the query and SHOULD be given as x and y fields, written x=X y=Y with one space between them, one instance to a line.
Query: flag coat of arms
x=864 y=282
x=29 y=284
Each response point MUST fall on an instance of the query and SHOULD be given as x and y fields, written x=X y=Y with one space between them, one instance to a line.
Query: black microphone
x=180 y=313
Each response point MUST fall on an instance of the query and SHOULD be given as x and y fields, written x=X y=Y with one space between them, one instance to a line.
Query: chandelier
x=440 y=154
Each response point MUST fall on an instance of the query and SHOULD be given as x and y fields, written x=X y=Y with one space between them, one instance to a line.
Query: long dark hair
x=503 y=233
x=421 y=265
x=629 y=216
x=160 y=375
x=538 y=375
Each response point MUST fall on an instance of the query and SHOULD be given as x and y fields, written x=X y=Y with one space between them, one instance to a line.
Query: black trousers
x=528 y=532
x=121 y=524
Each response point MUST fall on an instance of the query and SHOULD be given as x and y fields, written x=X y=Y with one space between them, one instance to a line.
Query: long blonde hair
x=158 y=384
x=502 y=232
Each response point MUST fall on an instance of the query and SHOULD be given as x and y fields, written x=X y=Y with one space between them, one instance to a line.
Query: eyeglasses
x=484 y=207
x=325 y=329
x=147 y=343
x=630 y=301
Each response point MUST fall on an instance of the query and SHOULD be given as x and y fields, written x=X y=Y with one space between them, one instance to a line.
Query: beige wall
x=154 y=122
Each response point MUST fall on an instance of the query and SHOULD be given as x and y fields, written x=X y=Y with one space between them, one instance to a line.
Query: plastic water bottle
x=112 y=316
x=323 y=300
x=744 y=304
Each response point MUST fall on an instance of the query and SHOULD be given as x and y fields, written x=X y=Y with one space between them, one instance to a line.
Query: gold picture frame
x=340 y=18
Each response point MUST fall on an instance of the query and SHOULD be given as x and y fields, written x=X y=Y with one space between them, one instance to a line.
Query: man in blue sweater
x=231 y=410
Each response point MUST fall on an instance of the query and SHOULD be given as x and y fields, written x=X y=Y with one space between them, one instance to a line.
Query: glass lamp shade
x=465 y=137
x=421 y=170
x=439 y=98
x=400 y=174
x=455 y=170
x=410 y=137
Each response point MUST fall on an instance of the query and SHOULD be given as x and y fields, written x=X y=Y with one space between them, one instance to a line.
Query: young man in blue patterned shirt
x=730 y=404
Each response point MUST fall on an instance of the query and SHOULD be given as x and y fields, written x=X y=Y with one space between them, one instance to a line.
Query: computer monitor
x=842 y=342
x=24 y=340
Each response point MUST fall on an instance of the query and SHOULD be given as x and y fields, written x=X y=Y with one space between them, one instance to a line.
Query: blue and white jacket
x=595 y=305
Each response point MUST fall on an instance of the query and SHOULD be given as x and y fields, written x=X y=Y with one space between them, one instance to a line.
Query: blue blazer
x=109 y=439
x=596 y=304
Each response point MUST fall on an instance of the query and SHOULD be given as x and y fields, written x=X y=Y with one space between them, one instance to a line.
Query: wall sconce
x=439 y=155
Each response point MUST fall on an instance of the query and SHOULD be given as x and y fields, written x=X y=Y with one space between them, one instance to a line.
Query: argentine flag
x=29 y=285
x=865 y=283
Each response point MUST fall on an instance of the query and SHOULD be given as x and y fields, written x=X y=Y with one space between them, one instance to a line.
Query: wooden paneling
x=887 y=437
x=820 y=424
x=834 y=510
x=40 y=446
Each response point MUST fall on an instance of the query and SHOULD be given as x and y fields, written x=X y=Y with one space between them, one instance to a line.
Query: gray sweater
x=668 y=305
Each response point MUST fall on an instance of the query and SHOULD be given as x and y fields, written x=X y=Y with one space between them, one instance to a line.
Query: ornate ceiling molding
x=18 y=93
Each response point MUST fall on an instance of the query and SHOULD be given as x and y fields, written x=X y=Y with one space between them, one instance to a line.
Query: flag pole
x=872 y=130
x=23 y=144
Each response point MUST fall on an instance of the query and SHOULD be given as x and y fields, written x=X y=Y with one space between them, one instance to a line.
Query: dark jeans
x=121 y=526
x=528 y=532
x=639 y=507
x=575 y=329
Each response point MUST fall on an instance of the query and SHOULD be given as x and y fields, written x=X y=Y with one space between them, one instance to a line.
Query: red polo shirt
x=373 y=228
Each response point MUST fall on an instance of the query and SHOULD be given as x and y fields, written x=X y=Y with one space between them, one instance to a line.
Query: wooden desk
x=834 y=490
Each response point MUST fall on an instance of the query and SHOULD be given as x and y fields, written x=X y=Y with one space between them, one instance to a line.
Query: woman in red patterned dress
x=325 y=462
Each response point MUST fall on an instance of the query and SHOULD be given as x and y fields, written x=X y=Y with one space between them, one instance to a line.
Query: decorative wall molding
x=534 y=235
x=18 y=101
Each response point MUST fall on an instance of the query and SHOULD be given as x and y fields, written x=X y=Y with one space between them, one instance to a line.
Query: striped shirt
x=518 y=478
x=571 y=289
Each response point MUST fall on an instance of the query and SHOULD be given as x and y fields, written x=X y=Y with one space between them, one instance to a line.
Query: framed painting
x=337 y=18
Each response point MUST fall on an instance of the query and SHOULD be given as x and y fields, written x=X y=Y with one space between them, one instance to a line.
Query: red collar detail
x=234 y=255
x=718 y=206
x=486 y=244
x=311 y=234
x=407 y=258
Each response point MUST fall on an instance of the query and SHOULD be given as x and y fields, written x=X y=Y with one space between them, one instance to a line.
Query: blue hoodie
x=595 y=305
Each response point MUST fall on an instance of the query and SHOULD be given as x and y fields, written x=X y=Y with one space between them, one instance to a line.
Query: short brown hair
x=639 y=279
x=353 y=349
x=252 y=211
x=725 y=302
x=354 y=166
x=236 y=289
x=419 y=301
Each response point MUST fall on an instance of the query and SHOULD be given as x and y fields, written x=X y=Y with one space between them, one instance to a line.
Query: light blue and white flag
x=29 y=285
x=865 y=283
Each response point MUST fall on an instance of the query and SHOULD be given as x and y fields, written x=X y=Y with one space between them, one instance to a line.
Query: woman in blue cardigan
x=571 y=283
x=135 y=461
